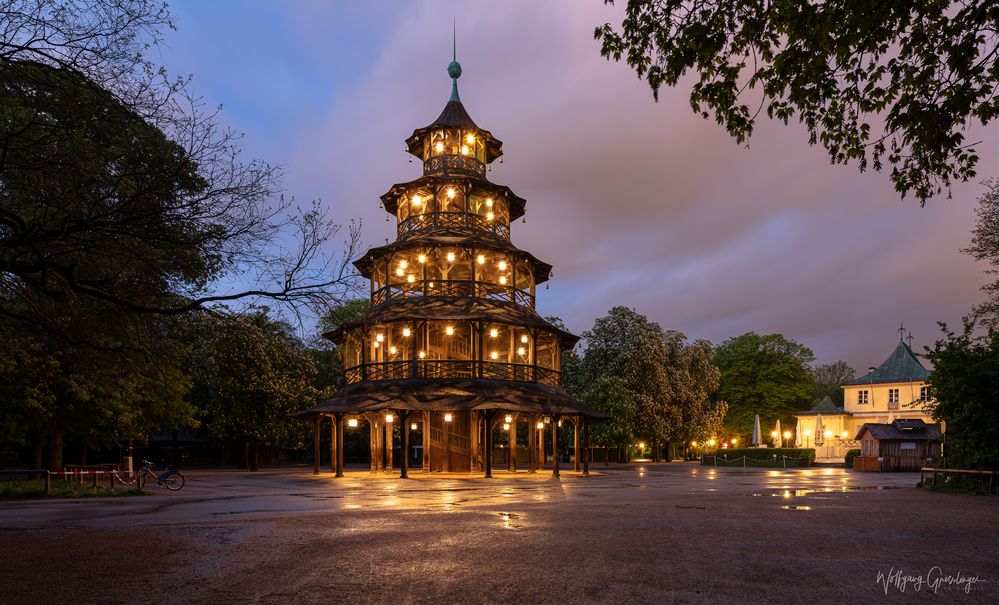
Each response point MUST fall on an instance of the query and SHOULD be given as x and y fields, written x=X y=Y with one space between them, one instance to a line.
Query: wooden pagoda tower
x=452 y=351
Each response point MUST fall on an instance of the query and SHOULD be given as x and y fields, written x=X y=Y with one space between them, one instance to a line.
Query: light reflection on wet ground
x=228 y=494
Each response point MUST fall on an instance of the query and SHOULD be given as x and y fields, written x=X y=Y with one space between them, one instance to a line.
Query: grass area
x=16 y=490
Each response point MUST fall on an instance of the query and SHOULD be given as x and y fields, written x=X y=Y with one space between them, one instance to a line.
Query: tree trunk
x=254 y=455
x=55 y=451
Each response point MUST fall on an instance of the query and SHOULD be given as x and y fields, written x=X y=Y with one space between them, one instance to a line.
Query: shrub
x=762 y=457
x=850 y=455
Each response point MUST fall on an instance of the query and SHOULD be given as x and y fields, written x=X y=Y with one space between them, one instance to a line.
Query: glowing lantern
x=352 y=423
x=451 y=192
x=389 y=418
x=439 y=147
x=523 y=339
x=379 y=337
x=494 y=355
x=508 y=419
x=450 y=257
x=481 y=259
x=447 y=417
x=449 y=330
x=406 y=332
x=493 y=333
x=502 y=265
x=521 y=351
x=422 y=258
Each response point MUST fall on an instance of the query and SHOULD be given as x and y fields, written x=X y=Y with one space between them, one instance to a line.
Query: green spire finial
x=454 y=68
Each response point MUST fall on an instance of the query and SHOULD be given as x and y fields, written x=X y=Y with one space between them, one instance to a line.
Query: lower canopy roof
x=452 y=395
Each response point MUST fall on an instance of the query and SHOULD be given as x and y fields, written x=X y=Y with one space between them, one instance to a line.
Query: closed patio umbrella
x=797 y=432
x=819 y=430
x=777 y=437
x=756 y=432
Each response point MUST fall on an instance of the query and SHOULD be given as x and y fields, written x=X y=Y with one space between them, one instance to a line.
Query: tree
x=766 y=375
x=116 y=186
x=963 y=384
x=829 y=379
x=872 y=82
x=252 y=372
x=985 y=247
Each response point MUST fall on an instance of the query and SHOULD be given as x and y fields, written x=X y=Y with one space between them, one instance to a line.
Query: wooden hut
x=452 y=353
x=903 y=445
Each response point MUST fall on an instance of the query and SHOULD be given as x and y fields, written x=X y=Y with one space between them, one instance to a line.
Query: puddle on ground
x=796 y=507
x=789 y=493
x=509 y=520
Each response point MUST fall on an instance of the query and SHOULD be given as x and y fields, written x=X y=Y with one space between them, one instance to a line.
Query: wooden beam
x=489 y=443
x=404 y=463
x=333 y=445
x=340 y=428
x=555 y=460
x=426 y=442
x=576 y=443
x=532 y=439
x=586 y=447
x=315 y=445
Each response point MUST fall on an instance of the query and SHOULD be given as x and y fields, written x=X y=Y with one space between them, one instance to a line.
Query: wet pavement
x=637 y=533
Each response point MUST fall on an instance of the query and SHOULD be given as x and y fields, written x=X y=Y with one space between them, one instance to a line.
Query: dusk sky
x=635 y=203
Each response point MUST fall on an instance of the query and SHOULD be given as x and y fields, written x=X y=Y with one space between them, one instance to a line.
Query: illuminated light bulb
x=450 y=257
x=541 y=426
x=787 y=434
x=403 y=264
x=506 y=427
x=449 y=331
x=494 y=355
x=521 y=351
x=489 y=216
x=523 y=339
x=548 y=420
x=828 y=434
x=431 y=285
x=734 y=441
x=508 y=419
x=489 y=202
x=412 y=426
x=711 y=441
x=464 y=150
x=447 y=417
x=417 y=200
x=422 y=258
x=392 y=350
x=470 y=138
x=376 y=345
x=502 y=265
x=352 y=423
x=422 y=355
x=693 y=444
x=502 y=279
x=410 y=278
x=399 y=271
x=845 y=434
x=450 y=192
x=389 y=418
x=494 y=333
x=773 y=433
x=406 y=332
x=808 y=433
x=481 y=259
x=379 y=337
x=439 y=147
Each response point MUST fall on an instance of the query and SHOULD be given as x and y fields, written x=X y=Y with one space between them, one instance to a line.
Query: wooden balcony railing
x=452 y=368
x=454 y=288
x=426 y=221
x=454 y=163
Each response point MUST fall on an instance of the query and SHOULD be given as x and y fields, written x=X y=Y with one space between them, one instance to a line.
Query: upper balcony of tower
x=453 y=143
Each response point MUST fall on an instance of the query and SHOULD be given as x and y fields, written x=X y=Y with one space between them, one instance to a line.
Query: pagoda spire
x=454 y=68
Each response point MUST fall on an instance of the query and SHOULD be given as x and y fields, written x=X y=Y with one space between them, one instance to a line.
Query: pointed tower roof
x=901 y=366
x=826 y=406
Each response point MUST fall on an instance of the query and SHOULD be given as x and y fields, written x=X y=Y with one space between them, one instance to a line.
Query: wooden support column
x=577 y=434
x=388 y=443
x=404 y=428
x=540 y=445
x=489 y=443
x=586 y=446
x=373 y=440
x=333 y=445
x=555 y=460
x=473 y=421
x=426 y=442
x=532 y=439
x=340 y=428
x=511 y=442
x=315 y=444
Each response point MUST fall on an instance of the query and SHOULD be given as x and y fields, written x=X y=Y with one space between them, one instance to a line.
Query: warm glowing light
x=787 y=434
x=502 y=265
x=376 y=345
x=521 y=351
x=548 y=420
x=410 y=278
x=489 y=202
x=413 y=426
x=506 y=427
x=449 y=330
x=493 y=333
x=422 y=354
x=447 y=417
x=464 y=150
x=403 y=264
x=734 y=441
x=392 y=350
x=470 y=138
x=828 y=434
x=541 y=426
x=523 y=339
x=845 y=434
x=808 y=432
x=481 y=259
x=641 y=445
x=711 y=441
x=693 y=444
x=450 y=257
x=494 y=355
x=422 y=258
x=502 y=279
x=508 y=418
x=450 y=192
x=352 y=423
x=439 y=147
x=773 y=433
x=406 y=332
x=489 y=216
x=379 y=337
x=399 y=271
x=389 y=418
x=417 y=200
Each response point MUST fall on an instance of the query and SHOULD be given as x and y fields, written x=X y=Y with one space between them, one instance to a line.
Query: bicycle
x=170 y=479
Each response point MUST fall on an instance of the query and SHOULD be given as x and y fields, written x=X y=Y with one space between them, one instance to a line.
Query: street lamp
x=787 y=437
x=808 y=434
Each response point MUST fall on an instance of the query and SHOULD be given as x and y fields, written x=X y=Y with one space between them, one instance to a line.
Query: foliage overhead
x=873 y=82
x=763 y=374
x=985 y=247
x=829 y=379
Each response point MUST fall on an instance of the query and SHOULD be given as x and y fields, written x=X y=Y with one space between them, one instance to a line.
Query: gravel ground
x=649 y=533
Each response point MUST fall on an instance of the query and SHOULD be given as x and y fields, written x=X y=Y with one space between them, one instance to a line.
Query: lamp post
x=787 y=437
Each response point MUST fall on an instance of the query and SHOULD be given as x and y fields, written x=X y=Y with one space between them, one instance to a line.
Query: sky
x=635 y=203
